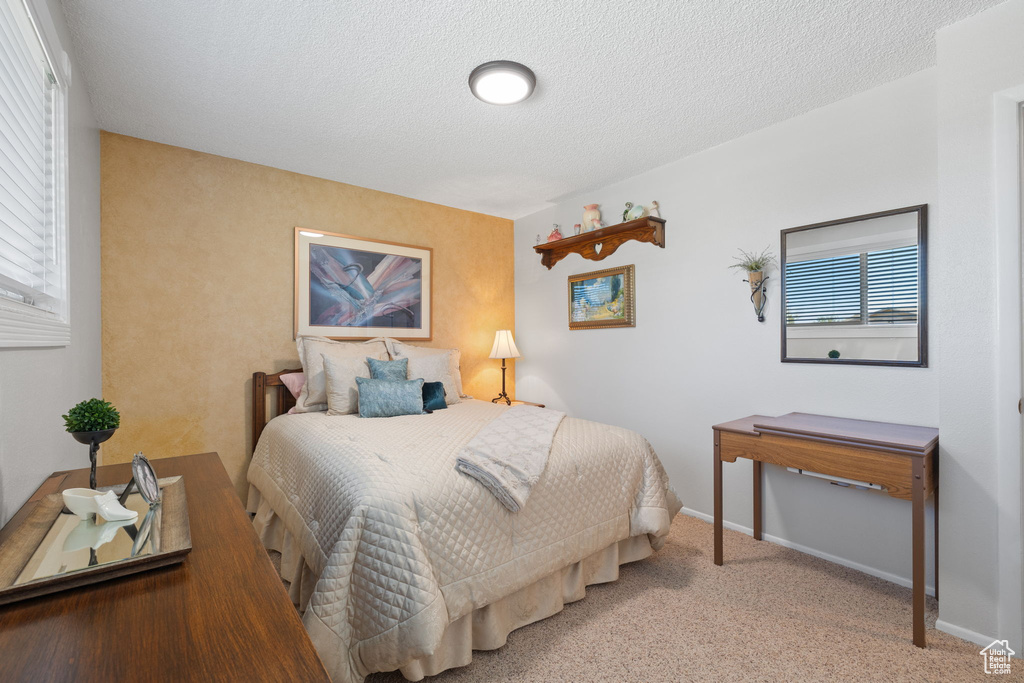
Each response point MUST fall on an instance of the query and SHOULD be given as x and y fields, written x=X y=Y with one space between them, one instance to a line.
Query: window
x=33 y=182
x=871 y=288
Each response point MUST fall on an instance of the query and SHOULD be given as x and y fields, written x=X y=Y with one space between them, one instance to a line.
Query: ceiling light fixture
x=502 y=82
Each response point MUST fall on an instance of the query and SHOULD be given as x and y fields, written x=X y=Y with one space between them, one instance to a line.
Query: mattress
x=396 y=546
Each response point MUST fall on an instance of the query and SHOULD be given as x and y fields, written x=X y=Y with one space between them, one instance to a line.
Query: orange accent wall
x=197 y=288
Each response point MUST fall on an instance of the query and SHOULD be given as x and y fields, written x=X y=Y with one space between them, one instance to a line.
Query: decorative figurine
x=87 y=502
x=634 y=211
x=556 y=234
x=91 y=423
x=625 y=214
x=591 y=217
x=577 y=229
x=653 y=211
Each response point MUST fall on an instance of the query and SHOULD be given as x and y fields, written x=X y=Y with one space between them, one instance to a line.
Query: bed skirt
x=486 y=628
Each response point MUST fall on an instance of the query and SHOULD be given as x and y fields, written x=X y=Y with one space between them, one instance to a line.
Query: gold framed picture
x=602 y=298
x=356 y=288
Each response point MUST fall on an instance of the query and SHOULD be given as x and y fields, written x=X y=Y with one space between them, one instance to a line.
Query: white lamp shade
x=504 y=345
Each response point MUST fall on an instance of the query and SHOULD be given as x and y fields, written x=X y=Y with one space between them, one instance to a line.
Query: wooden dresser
x=222 y=614
x=902 y=459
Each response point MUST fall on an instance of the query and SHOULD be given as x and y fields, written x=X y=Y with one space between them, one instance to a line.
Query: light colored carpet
x=768 y=614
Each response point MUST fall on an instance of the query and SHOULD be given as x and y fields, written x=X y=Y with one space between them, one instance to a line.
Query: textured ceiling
x=375 y=93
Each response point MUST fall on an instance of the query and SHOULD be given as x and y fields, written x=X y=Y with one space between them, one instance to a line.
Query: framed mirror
x=854 y=290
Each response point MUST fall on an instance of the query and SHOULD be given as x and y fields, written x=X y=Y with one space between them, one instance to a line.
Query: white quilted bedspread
x=404 y=544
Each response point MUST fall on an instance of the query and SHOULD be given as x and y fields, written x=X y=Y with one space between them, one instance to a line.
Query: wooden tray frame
x=23 y=542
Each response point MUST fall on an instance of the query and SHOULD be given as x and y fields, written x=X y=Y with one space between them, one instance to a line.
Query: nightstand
x=527 y=403
x=221 y=614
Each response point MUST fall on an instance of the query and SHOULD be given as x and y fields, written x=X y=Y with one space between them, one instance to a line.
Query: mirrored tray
x=54 y=550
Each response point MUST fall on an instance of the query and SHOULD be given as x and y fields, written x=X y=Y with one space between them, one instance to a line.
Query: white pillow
x=312 y=350
x=434 y=368
x=342 y=391
x=402 y=350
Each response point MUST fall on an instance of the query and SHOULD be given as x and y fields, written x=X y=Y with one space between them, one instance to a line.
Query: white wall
x=38 y=385
x=698 y=356
x=976 y=292
x=946 y=136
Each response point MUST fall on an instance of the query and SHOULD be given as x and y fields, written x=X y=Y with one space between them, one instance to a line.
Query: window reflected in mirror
x=854 y=290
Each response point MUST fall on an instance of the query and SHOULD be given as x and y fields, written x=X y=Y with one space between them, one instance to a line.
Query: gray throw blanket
x=510 y=453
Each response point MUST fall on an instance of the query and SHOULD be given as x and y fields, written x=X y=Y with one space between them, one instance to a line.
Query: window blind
x=873 y=288
x=824 y=291
x=31 y=268
x=892 y=285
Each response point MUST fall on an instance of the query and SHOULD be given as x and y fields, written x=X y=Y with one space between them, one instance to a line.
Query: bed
x=399 y=562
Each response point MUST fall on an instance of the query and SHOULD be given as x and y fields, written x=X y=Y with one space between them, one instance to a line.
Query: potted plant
x=754 y=264
x=92 y=422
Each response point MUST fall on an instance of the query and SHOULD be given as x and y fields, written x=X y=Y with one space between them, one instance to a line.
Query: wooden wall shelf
x=599 y=244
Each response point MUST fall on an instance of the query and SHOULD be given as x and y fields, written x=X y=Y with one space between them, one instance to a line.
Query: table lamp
x=504 y=347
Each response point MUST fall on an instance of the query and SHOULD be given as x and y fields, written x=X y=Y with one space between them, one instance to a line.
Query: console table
x=903 y=459
x=222 y=614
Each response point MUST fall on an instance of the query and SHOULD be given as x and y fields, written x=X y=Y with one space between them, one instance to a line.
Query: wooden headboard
x=262 y=385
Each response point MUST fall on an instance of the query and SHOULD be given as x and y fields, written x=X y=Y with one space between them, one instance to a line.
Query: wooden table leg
x=718 y=500
x=918 y=551
x=757 y=500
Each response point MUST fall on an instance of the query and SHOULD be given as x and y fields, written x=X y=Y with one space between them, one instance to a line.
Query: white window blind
x=824 y=291
x=892 y=285
x=871 y=288
x=33 y=231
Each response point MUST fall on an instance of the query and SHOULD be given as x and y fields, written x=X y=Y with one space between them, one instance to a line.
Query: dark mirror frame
x=922 y=279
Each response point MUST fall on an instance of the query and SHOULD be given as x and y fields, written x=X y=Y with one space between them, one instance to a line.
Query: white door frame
x=1008 y=197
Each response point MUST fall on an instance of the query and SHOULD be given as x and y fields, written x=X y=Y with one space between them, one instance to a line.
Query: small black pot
x=97 y=437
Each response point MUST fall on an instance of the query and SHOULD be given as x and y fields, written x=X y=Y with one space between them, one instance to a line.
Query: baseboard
x=872 y=571
x=965 y=633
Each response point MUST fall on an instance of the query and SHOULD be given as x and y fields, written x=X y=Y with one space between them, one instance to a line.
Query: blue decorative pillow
x=389 y=369
x=388 y=398
x=433 y=396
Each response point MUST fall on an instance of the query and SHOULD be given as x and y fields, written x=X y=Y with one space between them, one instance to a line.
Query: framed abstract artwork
x=356 y=288
x=602 y=298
